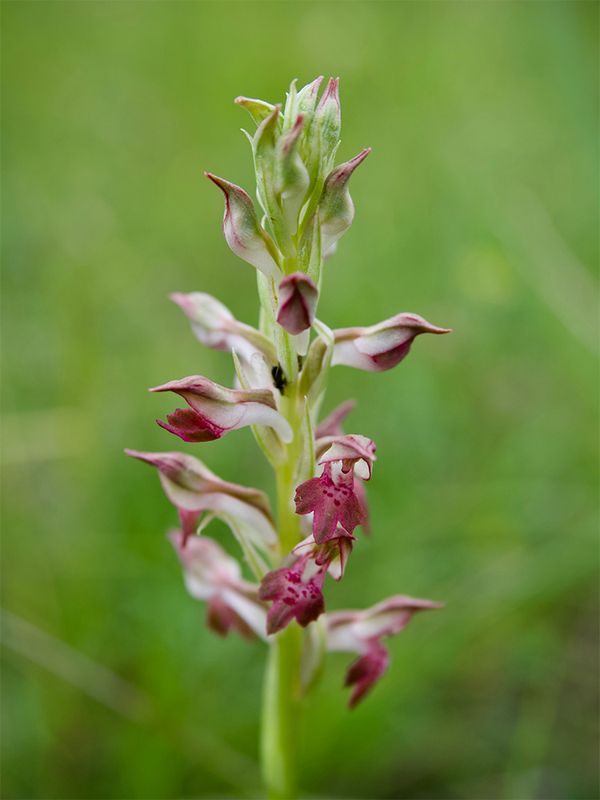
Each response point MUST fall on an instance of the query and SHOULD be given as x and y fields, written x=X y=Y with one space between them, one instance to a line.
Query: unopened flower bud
x=382 y=346
x=298 y=297
x=265 y=163
x=336 y=209
x=328 y=122
x=292 y=176
x=243 y=232
x=258 y=109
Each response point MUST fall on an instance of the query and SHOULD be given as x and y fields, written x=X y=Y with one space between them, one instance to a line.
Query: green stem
x=281 y=697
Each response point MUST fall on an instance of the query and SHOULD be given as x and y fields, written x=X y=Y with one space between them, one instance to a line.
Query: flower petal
x=366 y=671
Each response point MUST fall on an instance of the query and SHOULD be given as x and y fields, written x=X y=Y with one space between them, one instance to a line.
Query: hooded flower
x=215 y=326
x=331 y=497
x=194 y=489
x=382 y=346
x=243 y=231
x=296 y=593
x=298 y=297
x=215 y=410
x=212 y=575
x=361 y=632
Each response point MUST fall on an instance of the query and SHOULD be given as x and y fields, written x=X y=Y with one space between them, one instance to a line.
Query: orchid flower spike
x=282 y=368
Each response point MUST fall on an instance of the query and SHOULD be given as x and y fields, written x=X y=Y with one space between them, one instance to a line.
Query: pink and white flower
x=382 y=346
x=193 y=489
x=214 y=410
x=361 y=632
x=215 y=326
x=210 y=574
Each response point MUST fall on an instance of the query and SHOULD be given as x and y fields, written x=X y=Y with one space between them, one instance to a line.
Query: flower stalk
x=277 y=593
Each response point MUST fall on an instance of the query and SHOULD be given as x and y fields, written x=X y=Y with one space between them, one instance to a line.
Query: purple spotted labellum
x=298 y=297
x=361 y=632
x=332 y=501
x=215 y=410
x=382 y=346
x=294 y=595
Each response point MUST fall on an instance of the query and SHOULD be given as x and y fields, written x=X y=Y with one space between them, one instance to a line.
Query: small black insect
x=279 y=379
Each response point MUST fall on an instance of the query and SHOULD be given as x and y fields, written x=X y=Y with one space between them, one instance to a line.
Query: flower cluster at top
x=303 y=208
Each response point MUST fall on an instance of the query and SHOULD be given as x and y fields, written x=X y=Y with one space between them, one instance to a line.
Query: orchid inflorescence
x=282 y=368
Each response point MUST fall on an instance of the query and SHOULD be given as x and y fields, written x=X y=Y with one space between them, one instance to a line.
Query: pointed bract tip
x=331 y=91
x=220 y=182
x=180 y=298
x=148 y=458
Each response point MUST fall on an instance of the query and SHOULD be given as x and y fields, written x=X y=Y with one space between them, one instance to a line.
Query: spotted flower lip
x=294 y=595
x=212 y=575
x=214 y=410
x=361 y=632
x=298 y=296
x=332 y=501
x=193 y=489
x=242 y=229
x=380 y=347
x=215 y=326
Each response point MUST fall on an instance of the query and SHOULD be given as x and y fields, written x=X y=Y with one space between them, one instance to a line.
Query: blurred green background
x=478 y=209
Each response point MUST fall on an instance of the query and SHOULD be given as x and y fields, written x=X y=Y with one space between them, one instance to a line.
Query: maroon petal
x=331 y=502
x=366 y=671
x=298 y=297
x=191 y=426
